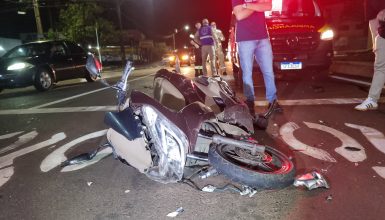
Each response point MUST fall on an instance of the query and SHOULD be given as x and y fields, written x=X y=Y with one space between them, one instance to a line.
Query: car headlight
x=326 y=33
x=185 y=57
x=19 y=66
x=171 y=58
x=170 y=143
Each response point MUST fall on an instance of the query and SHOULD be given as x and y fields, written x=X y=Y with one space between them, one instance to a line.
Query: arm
x=260 y=6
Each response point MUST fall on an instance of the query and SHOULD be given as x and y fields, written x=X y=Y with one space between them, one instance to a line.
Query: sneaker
x=368 y=104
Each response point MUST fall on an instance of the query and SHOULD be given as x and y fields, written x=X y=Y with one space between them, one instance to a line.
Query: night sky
x=153 y=17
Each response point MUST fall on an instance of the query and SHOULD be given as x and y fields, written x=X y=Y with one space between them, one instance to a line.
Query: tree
x=79 y=20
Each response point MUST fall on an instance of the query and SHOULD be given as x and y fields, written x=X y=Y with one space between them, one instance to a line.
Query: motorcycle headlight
x=326 y=33
x=170 y=143
x=19 y=66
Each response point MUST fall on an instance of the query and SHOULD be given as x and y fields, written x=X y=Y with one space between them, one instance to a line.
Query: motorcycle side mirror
x=93 y=66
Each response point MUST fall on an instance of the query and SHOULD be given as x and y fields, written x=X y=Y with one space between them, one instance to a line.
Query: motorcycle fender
x=134 y=152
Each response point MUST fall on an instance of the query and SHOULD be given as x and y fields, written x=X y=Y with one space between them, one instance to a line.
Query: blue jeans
x=261 y=50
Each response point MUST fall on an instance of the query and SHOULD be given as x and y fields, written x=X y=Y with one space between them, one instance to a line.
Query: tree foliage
x=79 y=20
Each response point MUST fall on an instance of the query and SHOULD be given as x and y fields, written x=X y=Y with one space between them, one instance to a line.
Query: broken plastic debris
x=311 y=180
x=247 y=190
x=209 y=188
x=329 y=198
x=176 y=213
x=89 y=183
x=127 y=191
x=208 y=173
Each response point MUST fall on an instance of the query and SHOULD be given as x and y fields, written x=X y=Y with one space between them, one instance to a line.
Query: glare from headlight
x=185 y=57
x=327 y=35
x=18 y=66
x=171 y=58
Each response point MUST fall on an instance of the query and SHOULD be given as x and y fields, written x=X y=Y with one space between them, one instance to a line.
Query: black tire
x=89 y=77
x=43 y=80
x=252 y=175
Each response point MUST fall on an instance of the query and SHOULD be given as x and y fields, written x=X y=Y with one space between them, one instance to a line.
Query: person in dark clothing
x=197 y=52
x=206 y=39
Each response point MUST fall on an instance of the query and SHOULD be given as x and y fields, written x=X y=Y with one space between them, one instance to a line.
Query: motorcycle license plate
x=291 y=65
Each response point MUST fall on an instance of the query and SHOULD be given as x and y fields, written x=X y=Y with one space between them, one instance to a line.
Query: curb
x=355 y=68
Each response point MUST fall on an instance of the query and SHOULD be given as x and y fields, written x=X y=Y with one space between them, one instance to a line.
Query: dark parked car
x=43 y=63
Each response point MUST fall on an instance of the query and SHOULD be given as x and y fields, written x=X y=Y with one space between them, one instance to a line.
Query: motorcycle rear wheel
x=270 y=170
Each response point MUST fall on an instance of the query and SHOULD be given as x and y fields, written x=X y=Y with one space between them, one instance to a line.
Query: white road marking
x=332 y=101
x=69 y=98
x=36 y=110
x=22 y=140
x=380 y=171
x=6 y=136
x=347 y=141
x=374 y=136
x=83 y=94
x=287 y=133
x=6 y=174
x=57 y=157
x=100 y=155
x=7 y=160
x=58 y=110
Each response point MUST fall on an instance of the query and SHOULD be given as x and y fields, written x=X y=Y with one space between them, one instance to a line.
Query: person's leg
x=221 y=58
x=264 y=57
x=205 y=53
x=379 y=70
x=246 y=58
x=378 y=77
x=212 y=61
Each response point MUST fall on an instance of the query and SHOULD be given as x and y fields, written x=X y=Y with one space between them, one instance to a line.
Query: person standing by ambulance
x=253 y=42
x=197 y=51
x=218 y=39
x=205 y=37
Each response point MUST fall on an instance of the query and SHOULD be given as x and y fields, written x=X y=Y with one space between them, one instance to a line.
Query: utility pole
x=122 y=52
x=38 y=19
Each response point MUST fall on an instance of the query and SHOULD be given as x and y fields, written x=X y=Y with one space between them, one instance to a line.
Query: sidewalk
x=356 y=64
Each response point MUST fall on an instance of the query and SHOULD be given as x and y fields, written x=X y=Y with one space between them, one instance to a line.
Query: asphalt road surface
x=318 y=127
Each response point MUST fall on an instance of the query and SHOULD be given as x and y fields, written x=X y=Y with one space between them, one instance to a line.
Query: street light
x=186 y=28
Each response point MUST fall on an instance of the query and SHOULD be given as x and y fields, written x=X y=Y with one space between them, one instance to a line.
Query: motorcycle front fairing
x=126 y=139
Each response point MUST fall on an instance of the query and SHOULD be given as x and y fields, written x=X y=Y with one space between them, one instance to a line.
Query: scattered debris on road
x=352 y=148
x=176 y=213
x=127 y=191
x=329 y=198
x=89 y=183
x=311 y=180
x=246 y=190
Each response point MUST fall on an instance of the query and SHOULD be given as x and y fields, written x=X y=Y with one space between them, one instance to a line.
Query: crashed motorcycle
x=159 y=142
x=175 y=91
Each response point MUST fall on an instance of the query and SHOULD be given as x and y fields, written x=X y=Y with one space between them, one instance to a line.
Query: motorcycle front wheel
x=269 y=170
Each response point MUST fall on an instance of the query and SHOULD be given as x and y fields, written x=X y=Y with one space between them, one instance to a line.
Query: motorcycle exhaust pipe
x=218 y=139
